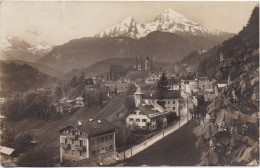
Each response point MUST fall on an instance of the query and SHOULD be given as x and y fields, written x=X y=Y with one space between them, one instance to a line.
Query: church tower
x=147 y=65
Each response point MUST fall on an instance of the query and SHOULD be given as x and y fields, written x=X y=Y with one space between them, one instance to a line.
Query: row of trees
x=29 y=104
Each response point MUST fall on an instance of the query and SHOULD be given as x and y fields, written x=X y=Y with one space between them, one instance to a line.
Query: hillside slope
x=159 y=46
x=40 y=67
x=102 y=67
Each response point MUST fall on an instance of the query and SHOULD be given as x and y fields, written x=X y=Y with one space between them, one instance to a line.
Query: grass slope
x=177 y=149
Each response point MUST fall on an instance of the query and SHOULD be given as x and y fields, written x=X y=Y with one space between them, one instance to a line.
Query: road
x=177 y=149
x=184 y=117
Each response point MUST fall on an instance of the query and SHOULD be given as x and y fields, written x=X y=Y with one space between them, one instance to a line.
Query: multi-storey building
x=87 y=139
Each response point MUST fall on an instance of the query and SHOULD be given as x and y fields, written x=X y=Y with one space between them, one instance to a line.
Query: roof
x=171 y=94
x=93 y=127
x=220 y=85
x=152 y=75
x=147 y=109
x=116 y=68
x=6 y=150
x=121 y=86
x=79 y=99
x=89 y=81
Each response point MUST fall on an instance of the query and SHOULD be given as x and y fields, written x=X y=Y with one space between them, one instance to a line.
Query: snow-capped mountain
x=168 y=21
x=16 y=48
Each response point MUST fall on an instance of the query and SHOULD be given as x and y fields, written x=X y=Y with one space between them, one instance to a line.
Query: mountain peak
x=168 y=21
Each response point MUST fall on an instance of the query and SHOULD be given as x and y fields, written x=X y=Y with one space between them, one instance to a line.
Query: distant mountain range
x=15 y=48
x=169 y=38
x=168 y=21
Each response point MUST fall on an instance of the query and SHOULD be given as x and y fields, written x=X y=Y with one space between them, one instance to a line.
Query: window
x=168 y=102
x=137 y=120
x=73 y=152
x=93 y=153
x=73 y=160
x=81 y=153
x=106 y=148
x=131 y=119
x=92 y=142
x=105 y=138
x=173 y=101
x=110 y=137
x=173 y=108
x=80 y=133
x=80 y=142
x=110 y=147
x=143 y=120
x=65 y=140
x=73 y=132
x=102 y=139
x=73 y=141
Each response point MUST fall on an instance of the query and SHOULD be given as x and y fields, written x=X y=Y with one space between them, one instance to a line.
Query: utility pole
x=131 y=144
x=187 y=109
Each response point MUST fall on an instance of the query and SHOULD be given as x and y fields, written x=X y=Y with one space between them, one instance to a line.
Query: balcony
x=80 y=148
x=63 y=145
x=73 y=137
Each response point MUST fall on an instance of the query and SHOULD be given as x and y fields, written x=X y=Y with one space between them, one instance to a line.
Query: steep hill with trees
x=232 y=133
x=20 y=78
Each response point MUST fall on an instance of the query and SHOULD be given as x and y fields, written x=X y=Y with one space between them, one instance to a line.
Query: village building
x=147 y=116
x=86 y=139
x=121 y=87
x=115 y=72
x=173 y=85
x=171 y=99
x=152 y=78
x=89 y=83
x=6 y=157
x=79 y=101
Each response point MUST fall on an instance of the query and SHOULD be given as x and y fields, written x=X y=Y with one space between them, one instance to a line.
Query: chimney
x=99 y=121
x=79 y=123
x=90 y=119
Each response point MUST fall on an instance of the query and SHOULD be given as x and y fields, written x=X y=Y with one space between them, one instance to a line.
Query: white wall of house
x=174 y=87
x=152 y=79
x=138 y=119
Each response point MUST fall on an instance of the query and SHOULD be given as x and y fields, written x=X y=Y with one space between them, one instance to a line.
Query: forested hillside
x=232 y=133
x=234 y=50
x=20 y=78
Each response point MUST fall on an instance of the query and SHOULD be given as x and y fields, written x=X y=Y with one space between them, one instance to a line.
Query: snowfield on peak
x=168 y=21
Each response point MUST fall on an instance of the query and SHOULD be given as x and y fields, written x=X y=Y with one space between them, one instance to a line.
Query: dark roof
x=116 y=68
x=151 y=94
x=147 y=109
x=93 y=127
x=89 y=81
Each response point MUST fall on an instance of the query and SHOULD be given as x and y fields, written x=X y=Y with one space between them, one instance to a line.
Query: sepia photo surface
x=129 y=83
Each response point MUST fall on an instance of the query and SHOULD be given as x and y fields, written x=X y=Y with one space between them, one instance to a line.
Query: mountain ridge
x=168 y=21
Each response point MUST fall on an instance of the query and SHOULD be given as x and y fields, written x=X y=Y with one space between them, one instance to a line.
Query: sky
x=55 y=23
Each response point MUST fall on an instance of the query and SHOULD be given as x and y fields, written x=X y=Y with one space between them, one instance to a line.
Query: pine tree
x=162 y=87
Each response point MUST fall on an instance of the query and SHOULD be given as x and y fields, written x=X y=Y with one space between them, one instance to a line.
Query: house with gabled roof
x=152 y=78
x=87 y=139
x=147 y=116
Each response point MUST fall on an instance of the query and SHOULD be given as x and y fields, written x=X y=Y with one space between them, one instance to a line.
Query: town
x=135 y=108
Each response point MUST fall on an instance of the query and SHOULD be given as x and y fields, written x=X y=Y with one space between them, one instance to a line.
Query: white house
x=173 y=86
x=152 y=78
x=79 y=102
x=150 y=97
x=147 y=117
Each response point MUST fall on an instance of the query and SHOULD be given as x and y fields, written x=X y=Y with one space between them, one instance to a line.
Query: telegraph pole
x=187 y=109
